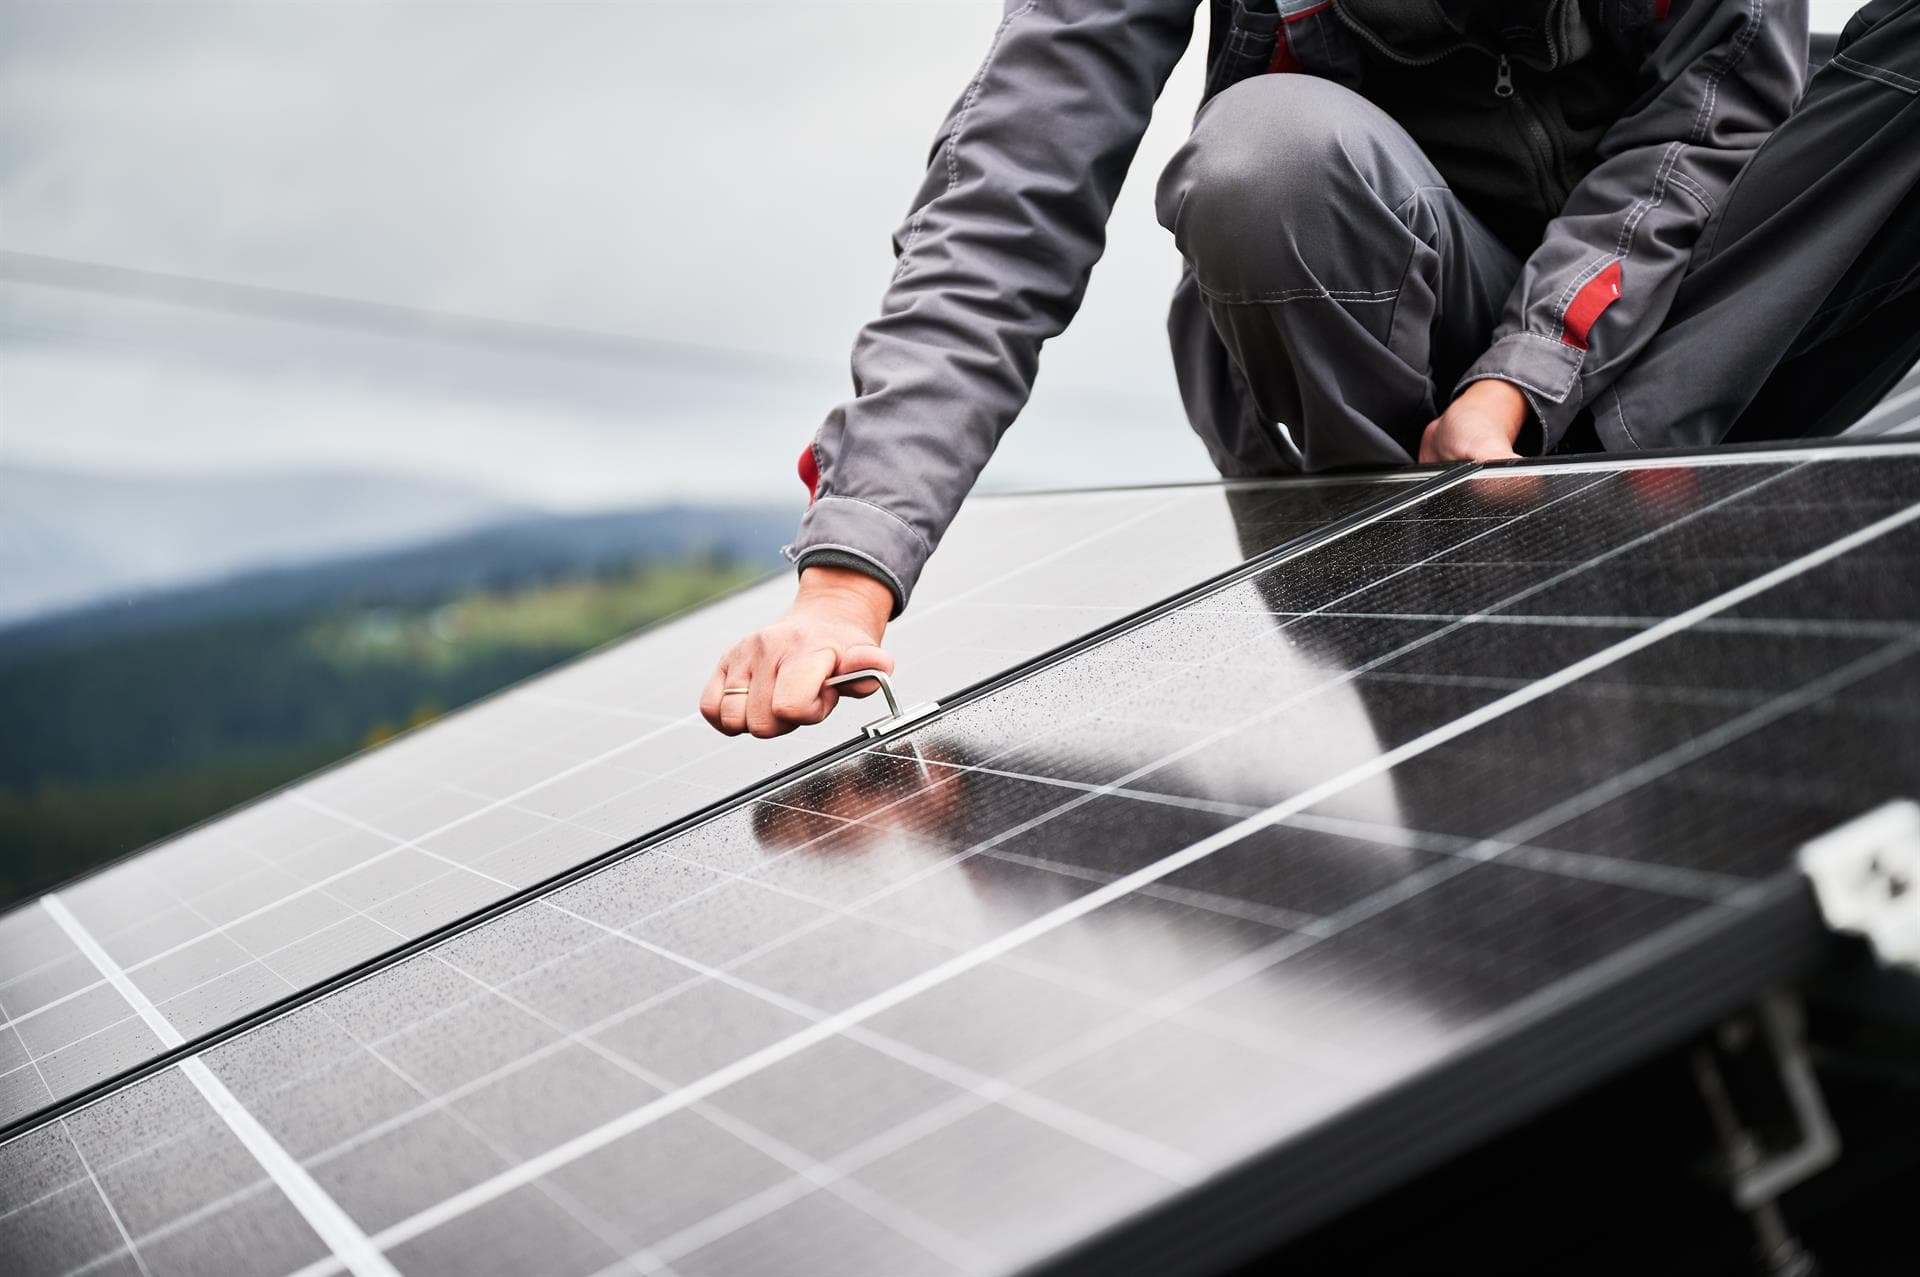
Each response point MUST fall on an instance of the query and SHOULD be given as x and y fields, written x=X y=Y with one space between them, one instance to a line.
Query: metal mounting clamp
x=1866 y=875
x=1773 y=1036
x=896 y=717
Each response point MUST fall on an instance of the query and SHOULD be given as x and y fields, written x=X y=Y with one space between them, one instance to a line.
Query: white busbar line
x=348 y=1242
x=636 y=1119
x=111 y=971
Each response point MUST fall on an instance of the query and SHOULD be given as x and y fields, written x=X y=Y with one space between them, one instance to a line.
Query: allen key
x=896 y=717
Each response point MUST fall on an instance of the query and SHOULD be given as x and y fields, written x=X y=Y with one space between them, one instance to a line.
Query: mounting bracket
x=1866 y=875
x=1758 y=1174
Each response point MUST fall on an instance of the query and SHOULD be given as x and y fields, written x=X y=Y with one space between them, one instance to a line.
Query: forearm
x=856 y=596
x=993 y=262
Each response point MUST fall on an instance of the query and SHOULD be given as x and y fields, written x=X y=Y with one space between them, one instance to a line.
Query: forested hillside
x=126 y=724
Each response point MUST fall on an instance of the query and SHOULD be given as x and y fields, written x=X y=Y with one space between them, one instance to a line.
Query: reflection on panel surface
x=307 y=884
x=965 y=998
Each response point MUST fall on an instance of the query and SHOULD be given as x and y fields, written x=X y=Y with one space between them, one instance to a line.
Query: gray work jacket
x=1640 y=114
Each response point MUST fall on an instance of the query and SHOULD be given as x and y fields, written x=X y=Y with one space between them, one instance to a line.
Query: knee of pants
x=1279 y=174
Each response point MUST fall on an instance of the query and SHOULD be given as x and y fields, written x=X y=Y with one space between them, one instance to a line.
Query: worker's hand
x=834 y=627
x=1480 y=425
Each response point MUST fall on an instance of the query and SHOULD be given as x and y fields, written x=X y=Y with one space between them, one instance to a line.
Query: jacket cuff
x=847 y=532
x=832 y=558
x=1546 y=371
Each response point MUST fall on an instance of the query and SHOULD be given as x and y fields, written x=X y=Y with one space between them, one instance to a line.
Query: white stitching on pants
x=1620 y=414
x=1866 y=70
x=1413 y=249
x=1356 y=296
x=1297 y=294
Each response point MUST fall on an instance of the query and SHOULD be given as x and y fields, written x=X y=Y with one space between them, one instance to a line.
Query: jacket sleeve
x=1724 y=75
x=993 y=260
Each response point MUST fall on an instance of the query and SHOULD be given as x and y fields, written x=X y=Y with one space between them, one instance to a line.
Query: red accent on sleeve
x=1598 y=293
x=810 y=472
x=1661 y=8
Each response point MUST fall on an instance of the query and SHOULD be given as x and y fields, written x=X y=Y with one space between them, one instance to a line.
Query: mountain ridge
x=72 y=537
x=511 y=553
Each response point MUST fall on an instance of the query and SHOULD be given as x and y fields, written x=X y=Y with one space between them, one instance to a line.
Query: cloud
x=720 y=176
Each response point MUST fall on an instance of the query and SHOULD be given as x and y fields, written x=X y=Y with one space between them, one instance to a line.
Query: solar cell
x=1166 y=948
x=289 y=892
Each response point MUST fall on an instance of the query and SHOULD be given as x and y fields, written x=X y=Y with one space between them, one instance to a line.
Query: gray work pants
x=1337 y=285
x=1347 y=284
x=1801 y=306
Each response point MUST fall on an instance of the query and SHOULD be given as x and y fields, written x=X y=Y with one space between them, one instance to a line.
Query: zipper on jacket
x=1539 y=141
x=1503 y=79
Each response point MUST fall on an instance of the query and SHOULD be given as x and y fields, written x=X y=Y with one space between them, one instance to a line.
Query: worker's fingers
x=760 y=717
x=733 y=704
x=710 y=695
x=800 y=693
x=863 y=656
x=1429 y=449
x=1489 y=445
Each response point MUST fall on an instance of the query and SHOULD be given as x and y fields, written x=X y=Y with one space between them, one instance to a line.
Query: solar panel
x=289 y=892
x=1165 y=949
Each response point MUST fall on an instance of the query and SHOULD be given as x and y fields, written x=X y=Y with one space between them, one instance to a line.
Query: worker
x=1412 y=232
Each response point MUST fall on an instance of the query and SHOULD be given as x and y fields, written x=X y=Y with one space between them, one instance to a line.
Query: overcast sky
x=705 y=189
